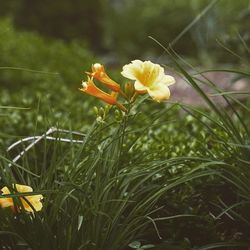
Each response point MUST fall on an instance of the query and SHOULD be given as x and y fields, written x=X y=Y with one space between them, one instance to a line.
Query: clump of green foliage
x=169 y=176
x=153 y=178
x=101 y=24
x=51 y=61
x=41 y=77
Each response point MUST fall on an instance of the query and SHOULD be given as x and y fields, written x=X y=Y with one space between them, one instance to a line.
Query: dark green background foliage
x=42 y=75
x=64 y=63
x=121 y=27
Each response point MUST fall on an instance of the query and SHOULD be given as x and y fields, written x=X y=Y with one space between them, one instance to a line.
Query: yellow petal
x=159 y=92
x=5 y=190
x=146 y=73
x=150 y=73
x=6 y=202
x=167 y=79
x=22 y=188
x=132 y=70
x=139 y=86
x=35 y=202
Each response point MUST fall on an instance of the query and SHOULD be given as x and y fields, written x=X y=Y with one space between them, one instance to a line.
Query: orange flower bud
x=98 y=72
x=90 y=88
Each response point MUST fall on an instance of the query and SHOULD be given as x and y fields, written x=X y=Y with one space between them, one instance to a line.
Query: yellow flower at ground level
x=90 y=88
x=98 y=72
x=28 y=201
x=149 y=78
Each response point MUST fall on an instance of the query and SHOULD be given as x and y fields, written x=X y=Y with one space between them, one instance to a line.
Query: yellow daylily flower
x=90 y=88
x=98 y=72
x=33 y=200
x=149 y=78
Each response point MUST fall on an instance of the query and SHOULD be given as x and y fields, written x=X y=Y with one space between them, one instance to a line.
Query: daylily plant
x=148 y=78
x=30 y=203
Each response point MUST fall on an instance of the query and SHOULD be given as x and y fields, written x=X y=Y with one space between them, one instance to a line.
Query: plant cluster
x=142 y=175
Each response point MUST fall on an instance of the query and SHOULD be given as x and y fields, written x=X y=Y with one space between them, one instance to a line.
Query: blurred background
x=117 y=30
x=46 y=46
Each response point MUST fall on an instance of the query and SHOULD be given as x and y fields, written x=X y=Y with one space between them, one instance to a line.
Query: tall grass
x=155 y=176
x=111 y=189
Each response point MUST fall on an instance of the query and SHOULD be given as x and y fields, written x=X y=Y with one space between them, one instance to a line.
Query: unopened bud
x=101 y=112
x=117 y=115
x=129 y=89
x=107 y=108
x=96 y=110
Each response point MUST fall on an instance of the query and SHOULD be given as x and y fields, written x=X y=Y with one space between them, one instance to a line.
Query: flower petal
x=99 y=73
x=159 y=92
x=34 y=200
x=147 y=73
x=22 y=188
x=132 y=70
x=139 y=86
x=150 y=72
x=90 y=88
x=168 y=80
x=6 y=202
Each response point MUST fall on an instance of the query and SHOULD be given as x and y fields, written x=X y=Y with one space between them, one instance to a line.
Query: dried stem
x=37 y=139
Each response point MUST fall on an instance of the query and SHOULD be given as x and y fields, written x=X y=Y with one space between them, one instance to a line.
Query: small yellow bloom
x=149 y=77
x=98 y=72
x=90 y=88
x=33 y=200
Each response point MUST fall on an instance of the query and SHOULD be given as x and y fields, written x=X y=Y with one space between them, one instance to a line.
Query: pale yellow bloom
x=149 y=78
x=34 y=200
